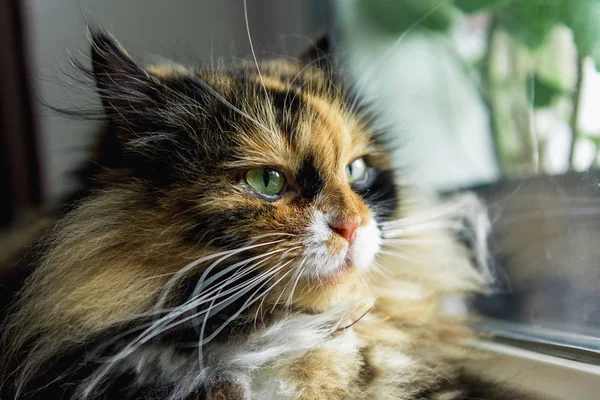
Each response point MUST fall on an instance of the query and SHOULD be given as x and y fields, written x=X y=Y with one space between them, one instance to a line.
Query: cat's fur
x=118 y=303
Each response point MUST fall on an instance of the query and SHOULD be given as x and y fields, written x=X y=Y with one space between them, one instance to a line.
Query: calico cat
x=244 y=236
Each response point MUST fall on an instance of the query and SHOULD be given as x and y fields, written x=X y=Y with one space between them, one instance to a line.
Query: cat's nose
x=345 y=228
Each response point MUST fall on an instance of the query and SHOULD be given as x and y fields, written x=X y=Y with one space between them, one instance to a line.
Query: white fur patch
x=366 y=245
x=265 y=358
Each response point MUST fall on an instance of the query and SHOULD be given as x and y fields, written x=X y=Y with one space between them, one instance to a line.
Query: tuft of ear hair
x=319 y=53
x=123 y=85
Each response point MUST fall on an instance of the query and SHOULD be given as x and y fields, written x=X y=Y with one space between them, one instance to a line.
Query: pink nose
x=344 y=228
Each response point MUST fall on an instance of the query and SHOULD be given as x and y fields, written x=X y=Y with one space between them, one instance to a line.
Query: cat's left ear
x=126 y=89
x=320 y=53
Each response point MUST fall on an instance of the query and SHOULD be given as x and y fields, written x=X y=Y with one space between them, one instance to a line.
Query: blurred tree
x=528 y=24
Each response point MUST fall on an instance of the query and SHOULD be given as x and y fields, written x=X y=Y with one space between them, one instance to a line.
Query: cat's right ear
x=320 y=53
x=124 y=86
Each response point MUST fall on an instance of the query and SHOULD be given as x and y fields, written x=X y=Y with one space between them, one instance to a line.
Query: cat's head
x=273 y=166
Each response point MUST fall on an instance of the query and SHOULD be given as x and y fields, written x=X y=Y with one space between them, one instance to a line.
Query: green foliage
x=541 y=92
x=472 y=6
x=593 y=139
x=398 y=16
x=529 y=21
x=583 y=17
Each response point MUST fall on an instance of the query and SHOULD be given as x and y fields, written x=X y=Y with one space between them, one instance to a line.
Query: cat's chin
x=338 y=272
x=343 y=286
x=355 y=259
x=342 y=273
x=331 y=270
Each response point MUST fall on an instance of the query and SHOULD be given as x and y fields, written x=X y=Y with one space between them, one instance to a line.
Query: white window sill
x=547 y=377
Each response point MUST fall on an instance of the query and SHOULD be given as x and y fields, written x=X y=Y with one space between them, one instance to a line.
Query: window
x=502 y=98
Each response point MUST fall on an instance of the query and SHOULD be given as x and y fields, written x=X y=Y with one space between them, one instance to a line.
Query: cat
x=242 y=235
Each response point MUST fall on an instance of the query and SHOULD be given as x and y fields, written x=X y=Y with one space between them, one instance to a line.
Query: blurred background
x=497 y=96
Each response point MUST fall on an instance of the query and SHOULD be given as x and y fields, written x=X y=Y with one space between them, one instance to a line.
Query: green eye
x=356 y=171
x=266 y=181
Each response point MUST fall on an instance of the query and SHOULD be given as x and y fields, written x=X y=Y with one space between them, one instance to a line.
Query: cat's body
x=244 y=239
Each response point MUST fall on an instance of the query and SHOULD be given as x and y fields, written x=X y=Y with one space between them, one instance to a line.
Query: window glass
x=500 y=97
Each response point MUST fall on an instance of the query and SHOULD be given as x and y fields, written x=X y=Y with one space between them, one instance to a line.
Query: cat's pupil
x=266 y=181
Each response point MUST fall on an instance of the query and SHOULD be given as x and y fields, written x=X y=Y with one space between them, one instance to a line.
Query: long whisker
x=197 y=300
x=248 y=302
x=380 y=269
x=237 y=275
x=164 y=324
x=238 y=291
x=151 y=332
x=267 y=97
x=202 y=341
x=210 y=296
x=301 y=270
x=298 y=269
x=440 y=212
x=282 y=256
x=405 y=257
x=243 y=272
x=202 y=284
x=430 y=227
x=183 y=271
x=388 y=53
x=193 y=302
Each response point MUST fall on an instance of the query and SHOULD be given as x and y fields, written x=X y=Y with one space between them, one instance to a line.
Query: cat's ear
x=124 y=86
x=319 y=53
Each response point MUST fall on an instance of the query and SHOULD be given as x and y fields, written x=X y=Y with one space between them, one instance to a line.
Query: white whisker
x=413 y=241
x=249 y=302
x=387 y=54
x=405 y=257
x=245 y=271
x=267 y=98
x=201 y=284
x=163 y=324
x=225 y=254
x=202 y=341
x=301 y=270
x=429 y=227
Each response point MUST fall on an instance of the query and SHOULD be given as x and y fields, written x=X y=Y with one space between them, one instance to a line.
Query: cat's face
x=280 y=167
